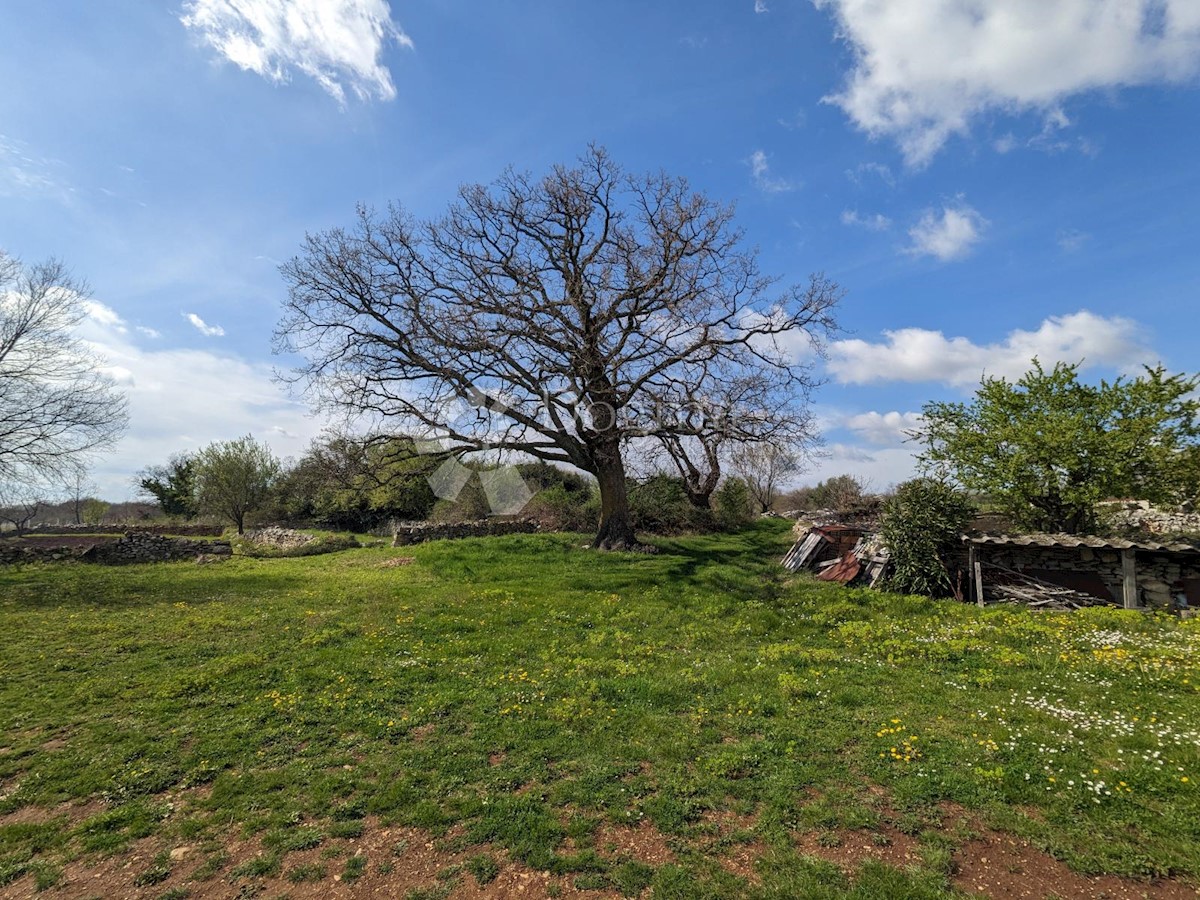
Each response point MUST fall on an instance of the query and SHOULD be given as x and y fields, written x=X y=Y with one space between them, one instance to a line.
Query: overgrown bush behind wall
x=921 y=526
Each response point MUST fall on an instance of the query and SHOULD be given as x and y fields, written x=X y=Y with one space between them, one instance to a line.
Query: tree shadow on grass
x=75 y=585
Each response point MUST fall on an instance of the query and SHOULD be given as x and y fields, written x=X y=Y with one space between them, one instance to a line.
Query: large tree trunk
x=616 y=526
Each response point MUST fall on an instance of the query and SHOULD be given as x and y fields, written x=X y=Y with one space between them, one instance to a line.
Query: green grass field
x=530 y=704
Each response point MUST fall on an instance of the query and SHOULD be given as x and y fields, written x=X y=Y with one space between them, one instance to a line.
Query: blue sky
x=987 y=181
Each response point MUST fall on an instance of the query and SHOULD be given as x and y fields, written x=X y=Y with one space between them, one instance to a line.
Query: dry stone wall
x=190 y=529
x=134 y=547
x=139 y=547
x=428 y=531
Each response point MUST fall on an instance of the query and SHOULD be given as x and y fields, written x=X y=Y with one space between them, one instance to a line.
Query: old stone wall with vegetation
x=432 y=531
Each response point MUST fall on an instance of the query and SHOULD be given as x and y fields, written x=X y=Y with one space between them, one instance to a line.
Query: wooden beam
x=978 y=583
x=1129 y=571
x=971 y=571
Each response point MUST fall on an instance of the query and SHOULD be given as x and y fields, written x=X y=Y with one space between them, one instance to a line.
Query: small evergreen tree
x=734 y=502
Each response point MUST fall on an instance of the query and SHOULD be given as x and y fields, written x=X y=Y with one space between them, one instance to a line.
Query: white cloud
x=203 y=327
x=25 y=173
x=950 y=235
x=1071 y=240
x=149 y=332
x=924 y=69
x=760 y=6
x=860 y=172
x=876 y=222
x=921 y=355
x=794 y=122
x=884 y=429
x=1005 y=144
x=338 y=43
x=760 y=170
x=103 y=315
x=182 y=399
x=879 y=469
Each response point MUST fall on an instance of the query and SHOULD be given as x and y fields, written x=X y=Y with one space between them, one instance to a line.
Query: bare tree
x=79 y=490
x=765 y=467
x=742 y=412
x=56 y=406
x=541 y=316
x=20 y=502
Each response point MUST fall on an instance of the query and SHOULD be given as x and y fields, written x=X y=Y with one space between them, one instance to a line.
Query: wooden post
x=977 y=571
x=1129 y=570
x=971 y=570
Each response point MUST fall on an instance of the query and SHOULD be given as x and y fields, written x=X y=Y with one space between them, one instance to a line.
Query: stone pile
x=282 y=538
x=1140 y=515
x=12 y=552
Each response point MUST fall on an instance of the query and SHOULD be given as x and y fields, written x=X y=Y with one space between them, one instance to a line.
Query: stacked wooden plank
x=1011 y=586
x=839 y=553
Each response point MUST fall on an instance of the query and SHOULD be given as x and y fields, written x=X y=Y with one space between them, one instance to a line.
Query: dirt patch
x=1001 y=866
x=397 y=561
x=38 y=815
x=850 y=849
x=421 y=732
x=737 y=857
x=642 y=842
x=396 y=861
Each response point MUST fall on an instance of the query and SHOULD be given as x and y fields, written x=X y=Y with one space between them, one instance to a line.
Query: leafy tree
x=540 y=476
x=56 y=404
x=93 y=511
x=172 y=485
x=838 y=492
x=357 y=483
x=233 y=478
x=660 y=505
x=548 y=316
x=1048 y=447
x=921 y=525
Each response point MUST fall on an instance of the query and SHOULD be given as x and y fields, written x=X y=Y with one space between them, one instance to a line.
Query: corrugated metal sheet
x=1076 y=541
x=844 y=571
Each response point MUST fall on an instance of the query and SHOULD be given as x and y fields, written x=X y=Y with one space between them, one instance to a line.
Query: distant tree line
x=363 y=484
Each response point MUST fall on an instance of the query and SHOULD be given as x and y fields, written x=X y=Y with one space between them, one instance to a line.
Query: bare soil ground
x=400 y=860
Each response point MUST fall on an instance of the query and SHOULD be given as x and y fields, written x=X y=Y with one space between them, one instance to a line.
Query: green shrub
x=734 y=503
x=558 y=508
x=921 y=525
x=660 y=505
x=841 y=492
x=540 y=476
x=324 y=543
x=470 y=505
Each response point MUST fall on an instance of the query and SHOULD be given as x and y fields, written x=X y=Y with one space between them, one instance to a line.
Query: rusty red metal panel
x=843 y=571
